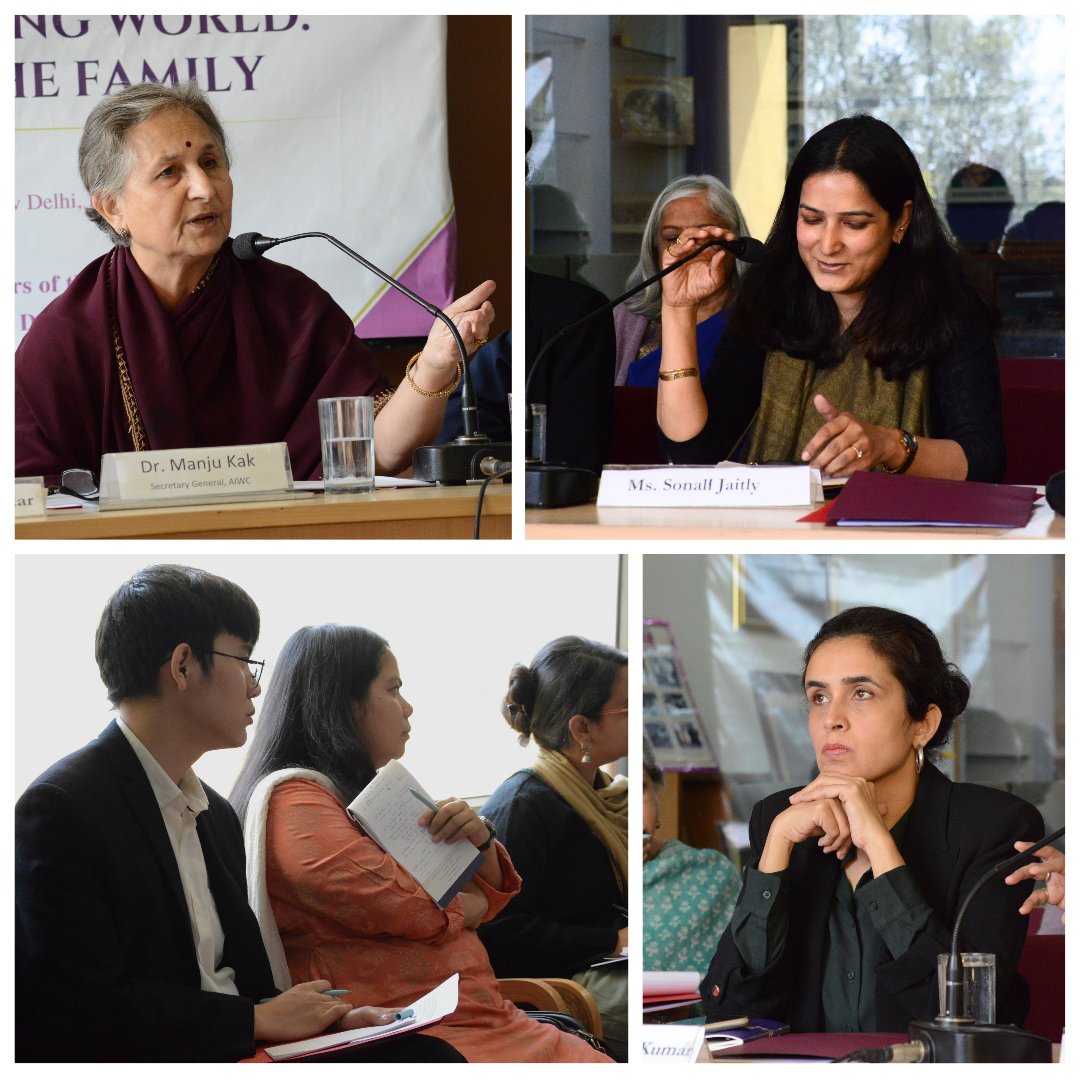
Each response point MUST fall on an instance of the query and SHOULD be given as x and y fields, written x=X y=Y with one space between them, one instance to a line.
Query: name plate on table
x=149 y=477
x=30 y=496
x=666 y=1044
x=707 y=485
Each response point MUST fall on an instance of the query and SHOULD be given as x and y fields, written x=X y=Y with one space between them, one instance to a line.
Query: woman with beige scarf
x=564 y=823
x=854 y=341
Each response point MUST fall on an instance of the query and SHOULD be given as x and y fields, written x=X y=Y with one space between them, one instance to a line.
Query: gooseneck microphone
x=745 y=248
x=452 y=463
x=953 y=1036
x=553 y=485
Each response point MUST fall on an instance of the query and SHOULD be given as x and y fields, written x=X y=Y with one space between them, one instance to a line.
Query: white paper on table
x=380 y=483
x=1042 y=517
x=428 y=1010
x=655 y=983
x=388 y=813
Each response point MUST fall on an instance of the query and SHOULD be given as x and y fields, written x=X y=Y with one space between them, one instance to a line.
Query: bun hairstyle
x=913 y=653
x=568 y=676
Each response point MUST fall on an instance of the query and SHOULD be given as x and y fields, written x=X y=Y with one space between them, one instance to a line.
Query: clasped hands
x=840 y=810
x=845 y=444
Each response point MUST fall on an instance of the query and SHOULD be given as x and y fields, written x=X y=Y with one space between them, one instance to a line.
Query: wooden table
x=590 y=522
x=398 y=513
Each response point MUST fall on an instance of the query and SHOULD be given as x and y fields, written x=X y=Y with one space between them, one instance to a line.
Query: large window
x=620 y=105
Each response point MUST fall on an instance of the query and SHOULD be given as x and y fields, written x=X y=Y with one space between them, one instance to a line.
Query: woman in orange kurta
x=342 y=906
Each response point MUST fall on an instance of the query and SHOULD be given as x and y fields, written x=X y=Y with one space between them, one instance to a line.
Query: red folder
x=883 y=499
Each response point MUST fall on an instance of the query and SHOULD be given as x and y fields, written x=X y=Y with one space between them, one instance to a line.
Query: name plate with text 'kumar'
x=708 y=485
x=150 y=477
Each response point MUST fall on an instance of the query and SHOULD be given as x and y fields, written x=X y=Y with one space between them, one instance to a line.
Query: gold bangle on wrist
x=680 y=373
x=446 y=391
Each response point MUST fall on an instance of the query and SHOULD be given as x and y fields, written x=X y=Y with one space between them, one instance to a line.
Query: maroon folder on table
x=883 y=499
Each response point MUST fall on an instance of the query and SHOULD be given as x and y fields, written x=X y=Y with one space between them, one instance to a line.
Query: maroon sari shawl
x=242 y=360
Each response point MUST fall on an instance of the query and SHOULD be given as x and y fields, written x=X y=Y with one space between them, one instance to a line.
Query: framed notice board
x=670 y=716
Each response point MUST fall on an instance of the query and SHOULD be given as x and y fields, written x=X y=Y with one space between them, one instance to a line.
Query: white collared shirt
x=180 y=806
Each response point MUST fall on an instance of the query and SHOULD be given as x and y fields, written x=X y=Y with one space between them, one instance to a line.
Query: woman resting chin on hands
x=857 y=951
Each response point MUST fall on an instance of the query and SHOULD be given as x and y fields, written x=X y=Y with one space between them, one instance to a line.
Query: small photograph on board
x=689 y=734
x=665 y=671
x=659 y=735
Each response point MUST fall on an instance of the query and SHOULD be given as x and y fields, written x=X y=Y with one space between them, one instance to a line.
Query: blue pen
x=404 y=1014
x=424 y=799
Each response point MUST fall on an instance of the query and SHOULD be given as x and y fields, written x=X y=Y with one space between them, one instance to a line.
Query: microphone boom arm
x=468 y=395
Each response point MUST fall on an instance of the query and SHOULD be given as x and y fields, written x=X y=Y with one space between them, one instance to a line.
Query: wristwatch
x=491 y=835
x=911 y=448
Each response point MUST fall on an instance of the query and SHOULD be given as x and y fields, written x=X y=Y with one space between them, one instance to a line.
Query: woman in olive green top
x=855 y=880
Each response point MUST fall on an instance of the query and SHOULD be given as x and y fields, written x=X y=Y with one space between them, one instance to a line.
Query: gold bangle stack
x=446 y=391
x=680 y=373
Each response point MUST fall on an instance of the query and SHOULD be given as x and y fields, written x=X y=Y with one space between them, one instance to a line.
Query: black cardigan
x=567 y=913
x=954 y=834
x=965 y=399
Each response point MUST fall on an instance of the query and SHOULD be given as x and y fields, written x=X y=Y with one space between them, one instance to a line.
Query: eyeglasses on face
x=255 y=667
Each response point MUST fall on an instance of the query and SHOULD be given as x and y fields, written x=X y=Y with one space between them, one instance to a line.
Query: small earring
x=920 y=757
x=586 y=754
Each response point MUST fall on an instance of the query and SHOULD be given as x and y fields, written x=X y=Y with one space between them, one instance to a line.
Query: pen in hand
x=424 y=799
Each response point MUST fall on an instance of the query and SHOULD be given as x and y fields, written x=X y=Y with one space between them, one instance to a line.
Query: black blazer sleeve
x=732 y=388
x=965 y=396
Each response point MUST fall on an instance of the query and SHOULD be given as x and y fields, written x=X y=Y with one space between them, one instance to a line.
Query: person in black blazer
x=106 y=962
x=854 y=881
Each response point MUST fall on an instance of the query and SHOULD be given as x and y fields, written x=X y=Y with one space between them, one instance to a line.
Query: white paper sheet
x=428 y=1010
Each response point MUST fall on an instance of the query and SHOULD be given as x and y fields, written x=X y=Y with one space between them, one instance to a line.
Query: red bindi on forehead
x=187 y=144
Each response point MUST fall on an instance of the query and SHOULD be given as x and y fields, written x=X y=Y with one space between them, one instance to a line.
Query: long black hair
x=913 y=653
x=910 y=315
x=307 y=720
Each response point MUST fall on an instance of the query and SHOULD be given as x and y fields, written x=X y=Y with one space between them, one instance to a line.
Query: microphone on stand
x=455 y=462
x=552 y=485
x=953 y=1036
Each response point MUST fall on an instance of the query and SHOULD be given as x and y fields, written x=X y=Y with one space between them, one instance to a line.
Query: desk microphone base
x=457 y=462
x=969 y=1042
x=551 y=486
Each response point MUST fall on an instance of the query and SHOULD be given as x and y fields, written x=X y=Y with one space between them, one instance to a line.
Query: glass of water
x=980 y=985
x=347 y=429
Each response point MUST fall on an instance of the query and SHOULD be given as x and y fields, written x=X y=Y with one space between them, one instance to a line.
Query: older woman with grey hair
x=685 y=203
x=169 y=341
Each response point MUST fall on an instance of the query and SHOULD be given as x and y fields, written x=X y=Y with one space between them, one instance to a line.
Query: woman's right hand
x=823 y=818
x=701 y=278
